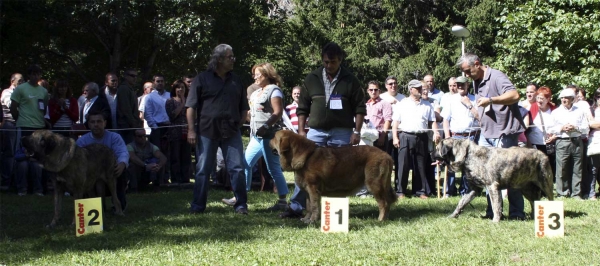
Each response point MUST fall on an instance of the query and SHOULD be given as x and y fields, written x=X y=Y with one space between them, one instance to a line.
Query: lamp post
x=462 y=32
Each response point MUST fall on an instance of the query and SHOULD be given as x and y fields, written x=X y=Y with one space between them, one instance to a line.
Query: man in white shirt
x=393 y=97
x=414 y=118
x=434 y=92
x=461 y=121
x=570 y=123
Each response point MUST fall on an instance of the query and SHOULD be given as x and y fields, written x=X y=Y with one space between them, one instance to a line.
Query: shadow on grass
x=163 y=218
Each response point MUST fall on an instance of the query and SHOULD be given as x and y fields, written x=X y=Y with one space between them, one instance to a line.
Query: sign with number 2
x=88 y=216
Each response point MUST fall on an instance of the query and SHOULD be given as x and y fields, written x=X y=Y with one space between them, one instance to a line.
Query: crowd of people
x=155 y=134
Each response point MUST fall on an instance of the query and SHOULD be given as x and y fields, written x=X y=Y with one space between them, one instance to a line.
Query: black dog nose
x=275 y=152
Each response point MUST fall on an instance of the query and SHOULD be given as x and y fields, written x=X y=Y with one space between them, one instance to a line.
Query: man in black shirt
x=217 y=102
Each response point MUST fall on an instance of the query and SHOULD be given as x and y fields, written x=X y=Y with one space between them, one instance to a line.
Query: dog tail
x=390 y=195
x=547 y=178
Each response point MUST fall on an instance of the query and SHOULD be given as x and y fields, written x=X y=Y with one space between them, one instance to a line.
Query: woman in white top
x=266 y=109
x=540 y=112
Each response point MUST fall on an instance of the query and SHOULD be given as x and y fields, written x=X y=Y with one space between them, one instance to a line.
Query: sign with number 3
x=88 y=216
x=334 y=215
x=549 y=219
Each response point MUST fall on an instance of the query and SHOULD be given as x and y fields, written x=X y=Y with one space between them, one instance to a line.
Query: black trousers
x=413 y=151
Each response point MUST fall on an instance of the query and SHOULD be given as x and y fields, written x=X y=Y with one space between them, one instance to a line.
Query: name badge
x=335 y=102
x=41 y=104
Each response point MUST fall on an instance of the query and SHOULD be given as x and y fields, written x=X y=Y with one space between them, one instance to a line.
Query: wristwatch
x=356 y=132
x=470 y=107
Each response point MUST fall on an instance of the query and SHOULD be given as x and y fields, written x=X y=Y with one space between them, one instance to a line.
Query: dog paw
x=307 y=220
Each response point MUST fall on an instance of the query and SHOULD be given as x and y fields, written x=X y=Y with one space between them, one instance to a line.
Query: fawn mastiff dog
x=335 y=171
x=78 y=170
x=497 y=168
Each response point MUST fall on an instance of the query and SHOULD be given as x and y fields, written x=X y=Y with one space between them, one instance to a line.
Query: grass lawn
x=157 y=230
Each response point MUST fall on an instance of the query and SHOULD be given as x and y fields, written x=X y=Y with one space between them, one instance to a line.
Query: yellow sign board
x=88 y=216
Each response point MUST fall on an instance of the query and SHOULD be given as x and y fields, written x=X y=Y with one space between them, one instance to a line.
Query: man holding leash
x=333 y=98
x=500 y=119
x=99 y=134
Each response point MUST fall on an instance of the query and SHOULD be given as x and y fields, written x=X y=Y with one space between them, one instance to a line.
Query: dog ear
x=49 y=144
x=446 y=148
x=301 y=149
x=460 y=150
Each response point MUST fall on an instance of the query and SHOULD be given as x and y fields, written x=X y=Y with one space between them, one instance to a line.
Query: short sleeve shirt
x=32 y=105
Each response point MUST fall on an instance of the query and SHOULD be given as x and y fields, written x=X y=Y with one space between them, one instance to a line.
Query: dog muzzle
x=275 y=152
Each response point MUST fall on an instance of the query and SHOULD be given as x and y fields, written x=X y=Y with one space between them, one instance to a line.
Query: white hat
x=567 y=93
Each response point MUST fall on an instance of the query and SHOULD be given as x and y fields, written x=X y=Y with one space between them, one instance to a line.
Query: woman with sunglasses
x=266 y=109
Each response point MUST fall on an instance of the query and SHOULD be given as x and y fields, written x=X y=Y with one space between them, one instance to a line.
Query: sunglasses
x=392 y=83
x=597 y=96
x=373 y=90
x=132 y=75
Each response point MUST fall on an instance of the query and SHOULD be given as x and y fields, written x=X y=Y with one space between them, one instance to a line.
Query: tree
x=553 y=43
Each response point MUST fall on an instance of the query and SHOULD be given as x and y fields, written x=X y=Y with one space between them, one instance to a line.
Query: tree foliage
x=553 y=43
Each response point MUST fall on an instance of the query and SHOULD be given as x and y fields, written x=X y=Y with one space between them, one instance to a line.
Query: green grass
x=157 y=230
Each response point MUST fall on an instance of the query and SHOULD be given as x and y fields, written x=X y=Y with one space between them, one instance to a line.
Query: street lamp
x=462 y=32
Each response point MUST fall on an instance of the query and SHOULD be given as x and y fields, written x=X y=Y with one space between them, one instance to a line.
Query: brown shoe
x=423 y=196
x=400 y=195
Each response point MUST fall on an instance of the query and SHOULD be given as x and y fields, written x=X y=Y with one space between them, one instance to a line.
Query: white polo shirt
x=413 y=117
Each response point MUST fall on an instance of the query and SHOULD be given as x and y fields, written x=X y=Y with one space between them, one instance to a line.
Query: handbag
x=550 y=147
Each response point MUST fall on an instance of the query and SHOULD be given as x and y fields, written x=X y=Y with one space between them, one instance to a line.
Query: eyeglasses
x=257 y=75
x=231 y=57
x=373 y=90
x=541 y=98
x=392 y=83
x=597 y=96
x=131 y=75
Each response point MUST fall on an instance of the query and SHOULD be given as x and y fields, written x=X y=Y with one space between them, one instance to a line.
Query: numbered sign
x=88 y=216
x=549 y=219
x=334 y=215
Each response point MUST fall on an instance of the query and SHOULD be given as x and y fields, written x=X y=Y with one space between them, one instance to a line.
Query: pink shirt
x=378 y=111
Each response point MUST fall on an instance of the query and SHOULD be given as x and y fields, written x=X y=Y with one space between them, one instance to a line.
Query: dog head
x=45 y=147
x=453 y=152
x=293 y=149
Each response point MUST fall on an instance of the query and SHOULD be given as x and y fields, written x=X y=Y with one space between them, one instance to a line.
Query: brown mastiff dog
x=78 y=170
x=335 y=172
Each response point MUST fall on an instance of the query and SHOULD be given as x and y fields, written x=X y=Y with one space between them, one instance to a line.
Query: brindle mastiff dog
x=497 y=168
x=78 y=170
x=335 y=172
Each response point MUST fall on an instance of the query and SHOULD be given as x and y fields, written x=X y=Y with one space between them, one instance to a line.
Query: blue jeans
x=9 y=136
x=259 y=147
x=515 y=197
x=334 y=137
x=27 y=169
x=464 y=186
x=233 y=152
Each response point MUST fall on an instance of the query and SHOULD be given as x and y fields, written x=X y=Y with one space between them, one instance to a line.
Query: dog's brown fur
x=335 y=172
x=497 y=168
x=78 y=170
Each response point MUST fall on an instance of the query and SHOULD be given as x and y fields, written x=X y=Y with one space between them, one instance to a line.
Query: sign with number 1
x=549 y=219
x=88 y=216
x=334 y=215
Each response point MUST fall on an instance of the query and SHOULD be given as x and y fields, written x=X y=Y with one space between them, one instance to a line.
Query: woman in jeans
x=266 y=109
x=180 y=149
x=62 y=108
x=536 y=137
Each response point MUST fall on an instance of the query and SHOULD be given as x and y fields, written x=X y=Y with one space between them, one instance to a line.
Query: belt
x=572 y=138
x=466 y=134
x=163 y=124
x=414 y=133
